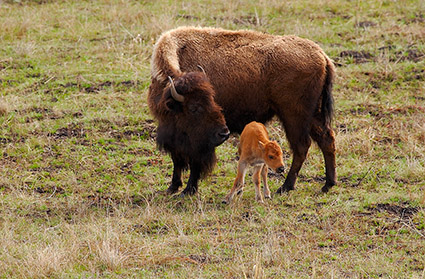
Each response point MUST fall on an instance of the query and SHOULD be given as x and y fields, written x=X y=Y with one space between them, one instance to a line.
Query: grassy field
x=81 y=178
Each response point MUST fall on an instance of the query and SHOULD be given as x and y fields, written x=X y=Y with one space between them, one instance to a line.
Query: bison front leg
x=176 y=181
x=300 y=148
x=192 y=183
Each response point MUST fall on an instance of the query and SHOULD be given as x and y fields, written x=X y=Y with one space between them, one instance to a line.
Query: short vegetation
x=81 y=179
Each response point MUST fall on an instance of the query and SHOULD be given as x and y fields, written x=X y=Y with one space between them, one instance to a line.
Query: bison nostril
x=221 y=136
x=224 y=133
x=280 y=169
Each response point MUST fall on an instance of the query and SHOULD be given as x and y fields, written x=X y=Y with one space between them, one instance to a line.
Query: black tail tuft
x=327 y=98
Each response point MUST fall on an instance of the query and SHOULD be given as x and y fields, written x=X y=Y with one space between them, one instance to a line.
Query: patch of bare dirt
x=344 y=128
x=379 y=112
x=200 y=259
x=122 y=129
x=418 y=17
x=249 y=20
x=403 y=211
x=72 y=130
x=188 y=17
x=94 y=88
x=311 y=219
x=358 y=56
x=412 y=54
x=6 y=140
x=153 y=227
x=141 y=151
x=246 y=20
x=310 y=179
x=365 y=24
x=23 y=2
x=409 y=53
x=49 y=189
x=40 y=113
x=147 y=131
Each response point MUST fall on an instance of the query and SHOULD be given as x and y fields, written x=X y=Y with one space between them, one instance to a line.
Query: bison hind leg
x=325 y=138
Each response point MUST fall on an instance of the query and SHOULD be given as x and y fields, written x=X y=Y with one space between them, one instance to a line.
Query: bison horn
x=202 y=69
x=176 y=96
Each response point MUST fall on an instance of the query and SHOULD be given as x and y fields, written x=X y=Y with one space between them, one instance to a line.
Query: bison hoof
x=174 y=187
x=326 y=188
x=328 y=185
x=283 y=189
x=187 y=192
x=171 y=191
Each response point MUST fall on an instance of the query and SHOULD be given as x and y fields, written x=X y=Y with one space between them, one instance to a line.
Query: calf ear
x=261 y=145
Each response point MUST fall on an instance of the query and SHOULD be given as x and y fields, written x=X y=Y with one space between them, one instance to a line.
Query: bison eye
x=194 y=109
x=271 y=157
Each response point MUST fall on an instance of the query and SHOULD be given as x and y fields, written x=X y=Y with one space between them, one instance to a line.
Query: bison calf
x=257 y=150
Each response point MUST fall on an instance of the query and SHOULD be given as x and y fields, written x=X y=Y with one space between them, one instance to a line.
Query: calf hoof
x=260 y=201
x=227 y=199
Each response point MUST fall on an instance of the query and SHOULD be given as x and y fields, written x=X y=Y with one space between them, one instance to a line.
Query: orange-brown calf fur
x=255 y=149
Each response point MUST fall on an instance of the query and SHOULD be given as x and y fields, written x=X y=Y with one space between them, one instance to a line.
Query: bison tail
x=327 y=108
x=165 y=60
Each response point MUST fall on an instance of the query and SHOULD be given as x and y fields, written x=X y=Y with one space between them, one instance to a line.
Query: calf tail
x=327 y=109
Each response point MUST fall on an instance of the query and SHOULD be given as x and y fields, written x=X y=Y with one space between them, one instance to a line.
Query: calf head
x=189 y=98
x=272 y=155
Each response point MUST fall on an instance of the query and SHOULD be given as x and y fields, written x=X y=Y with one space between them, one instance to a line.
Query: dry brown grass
x=81 y=178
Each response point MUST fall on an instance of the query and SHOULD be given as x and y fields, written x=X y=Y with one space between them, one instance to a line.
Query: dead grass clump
x=4 y=108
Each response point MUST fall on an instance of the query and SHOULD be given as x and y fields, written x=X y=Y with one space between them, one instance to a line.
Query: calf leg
x=266 y=189
x=256 y=179
x=325 y=138
x=238 y=183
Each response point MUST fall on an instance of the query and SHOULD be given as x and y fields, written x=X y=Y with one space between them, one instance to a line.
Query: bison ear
x=173 y=105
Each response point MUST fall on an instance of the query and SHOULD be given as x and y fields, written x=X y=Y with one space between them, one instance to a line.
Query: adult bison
x=206 y=78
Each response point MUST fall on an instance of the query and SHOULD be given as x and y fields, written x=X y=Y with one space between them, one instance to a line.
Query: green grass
x=81 y=178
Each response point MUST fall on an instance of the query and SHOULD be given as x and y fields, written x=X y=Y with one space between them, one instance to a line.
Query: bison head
x=197 y=119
